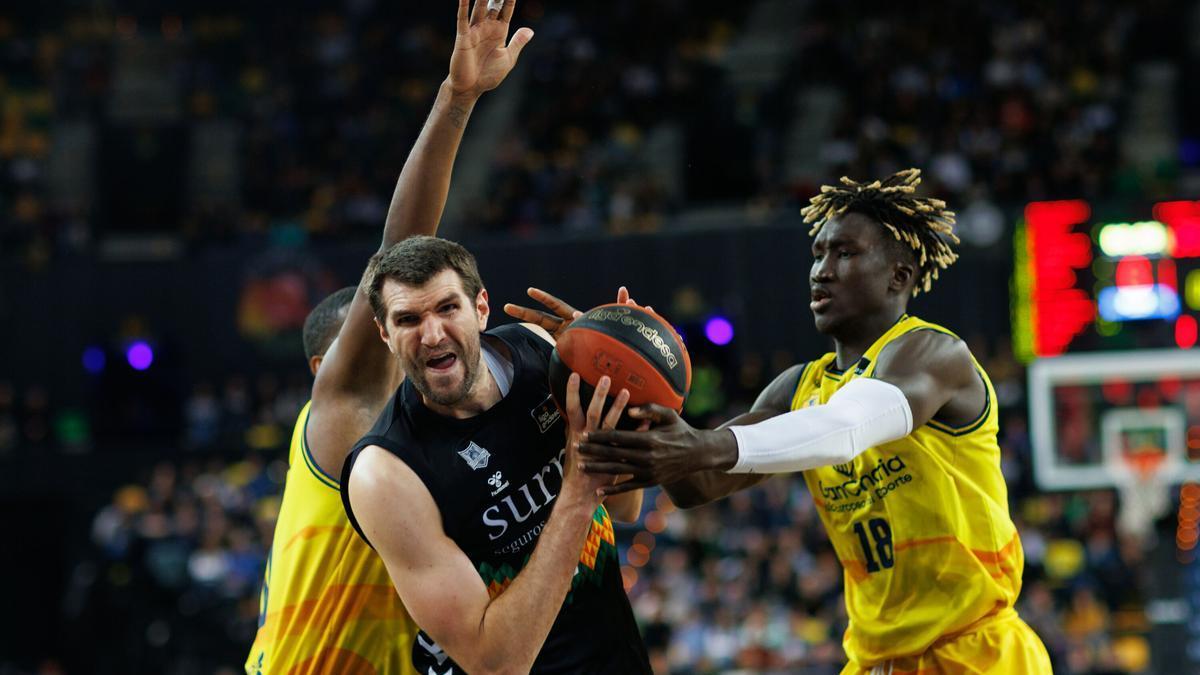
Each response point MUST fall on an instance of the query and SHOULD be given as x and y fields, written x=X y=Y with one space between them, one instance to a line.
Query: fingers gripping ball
x=637 y=348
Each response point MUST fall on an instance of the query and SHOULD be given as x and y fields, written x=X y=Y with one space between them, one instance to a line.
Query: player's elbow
x=493 y=656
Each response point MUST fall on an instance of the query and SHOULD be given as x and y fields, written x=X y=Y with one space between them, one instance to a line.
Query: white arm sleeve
x=862 y=414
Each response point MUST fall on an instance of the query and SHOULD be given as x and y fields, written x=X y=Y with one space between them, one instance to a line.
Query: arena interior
x=181 y=183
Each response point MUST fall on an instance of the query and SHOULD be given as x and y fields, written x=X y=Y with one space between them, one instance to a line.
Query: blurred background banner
x=180 y=185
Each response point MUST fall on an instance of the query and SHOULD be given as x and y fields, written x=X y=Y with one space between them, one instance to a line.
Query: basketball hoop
x=1141 y=482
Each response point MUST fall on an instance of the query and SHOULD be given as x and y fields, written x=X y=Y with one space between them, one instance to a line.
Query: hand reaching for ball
x=561 y=313
x=580 y=423
x=671 y=450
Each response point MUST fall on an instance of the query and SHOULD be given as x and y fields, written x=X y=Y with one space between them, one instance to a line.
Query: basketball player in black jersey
x=501 y=550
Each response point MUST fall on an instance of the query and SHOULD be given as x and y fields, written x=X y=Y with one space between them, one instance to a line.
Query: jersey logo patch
x=475 y=456
x=497 y=481
x=545 y=414
x=846 y=470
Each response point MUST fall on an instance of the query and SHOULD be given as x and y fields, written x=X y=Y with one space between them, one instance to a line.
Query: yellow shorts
x=1004 y=646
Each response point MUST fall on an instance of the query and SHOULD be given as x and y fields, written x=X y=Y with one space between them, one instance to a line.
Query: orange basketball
x=637 y=348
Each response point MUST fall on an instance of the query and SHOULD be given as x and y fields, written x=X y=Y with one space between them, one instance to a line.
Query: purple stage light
x=718 y=330
x=139 y=355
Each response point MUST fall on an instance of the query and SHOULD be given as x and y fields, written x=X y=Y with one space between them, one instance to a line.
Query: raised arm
x=479 y=64
x=358 y=373
x=437 y=581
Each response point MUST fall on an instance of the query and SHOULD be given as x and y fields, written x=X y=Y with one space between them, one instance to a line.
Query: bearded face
x=434 y=331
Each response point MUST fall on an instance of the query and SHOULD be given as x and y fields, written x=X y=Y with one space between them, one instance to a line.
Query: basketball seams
x=679 y=378
x=583 y=342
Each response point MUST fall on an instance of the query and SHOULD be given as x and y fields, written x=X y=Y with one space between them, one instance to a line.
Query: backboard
x=1097 y=418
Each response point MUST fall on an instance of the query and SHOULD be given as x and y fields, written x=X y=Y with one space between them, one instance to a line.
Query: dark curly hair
x=918 y=224
x=416 y=260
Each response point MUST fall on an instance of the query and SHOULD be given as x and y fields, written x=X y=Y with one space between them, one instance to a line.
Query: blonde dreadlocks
x=923 y=224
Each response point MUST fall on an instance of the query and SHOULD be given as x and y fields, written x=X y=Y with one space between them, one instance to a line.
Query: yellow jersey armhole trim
x=800 y=386
x=987 y=403
x=973 y=424
x=311 y=462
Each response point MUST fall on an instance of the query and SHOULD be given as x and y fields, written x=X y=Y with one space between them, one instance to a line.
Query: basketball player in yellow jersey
x=895 y=433
x=327 y=604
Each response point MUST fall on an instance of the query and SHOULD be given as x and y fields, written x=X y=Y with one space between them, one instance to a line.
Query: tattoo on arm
x=458 y=115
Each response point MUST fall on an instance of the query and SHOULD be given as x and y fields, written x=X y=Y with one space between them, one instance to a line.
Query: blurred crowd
x=255 y=413
x=25 y=418
x=603 y=80
x=748 y=584
x=625 y=114
x=324 y=103
x=1006 y=101
x=178 y=567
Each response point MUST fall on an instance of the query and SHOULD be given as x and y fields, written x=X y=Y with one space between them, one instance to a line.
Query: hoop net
x=1142 y=483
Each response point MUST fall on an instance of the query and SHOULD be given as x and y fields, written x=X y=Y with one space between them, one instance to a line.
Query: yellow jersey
x=920 y=524
x=327 y=604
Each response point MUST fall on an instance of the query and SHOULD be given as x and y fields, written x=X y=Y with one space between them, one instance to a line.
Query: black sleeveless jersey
x=494 y=478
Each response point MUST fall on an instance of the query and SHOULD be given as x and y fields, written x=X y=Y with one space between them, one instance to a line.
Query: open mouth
x=820 y=300
x=441 y=363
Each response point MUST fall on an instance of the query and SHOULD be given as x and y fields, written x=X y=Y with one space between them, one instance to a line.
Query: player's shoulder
x=380 y=486
x=523 y=344
x=926 y=347
x=379 y=480
x=376 y=469
x=930 y=337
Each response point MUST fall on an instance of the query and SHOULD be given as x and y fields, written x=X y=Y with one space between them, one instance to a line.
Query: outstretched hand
x=481 y=60
x=580 y=423
x=669 y=451
x=561 y=313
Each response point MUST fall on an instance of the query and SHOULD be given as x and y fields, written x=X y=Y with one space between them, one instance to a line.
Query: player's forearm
x=516 y=623
x=706 y=486
x=424 y=183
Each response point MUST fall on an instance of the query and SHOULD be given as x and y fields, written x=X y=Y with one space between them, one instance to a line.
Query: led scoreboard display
x=1084 y=284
